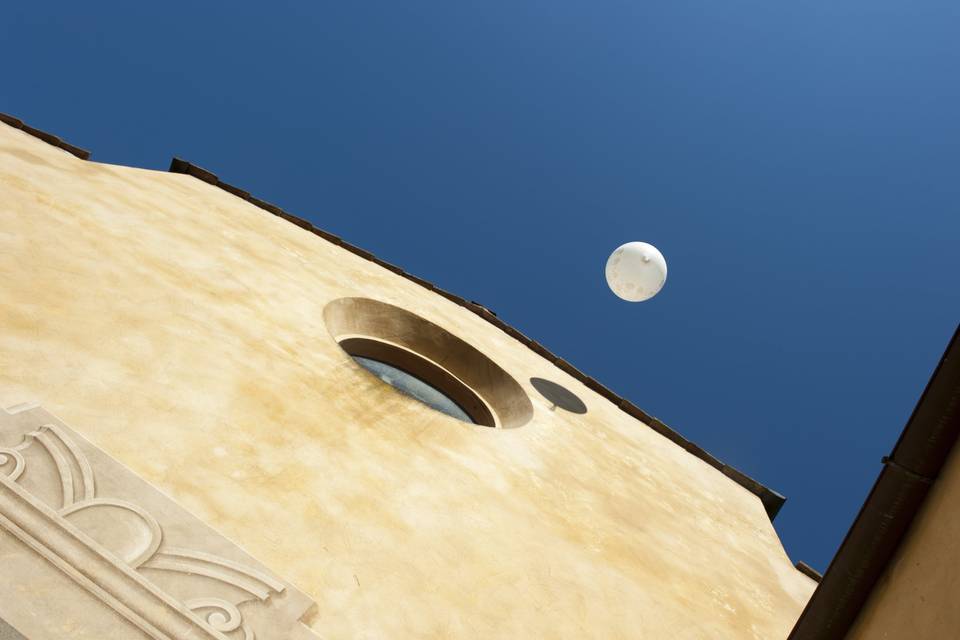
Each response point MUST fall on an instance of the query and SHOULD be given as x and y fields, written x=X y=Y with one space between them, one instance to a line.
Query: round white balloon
x=636 y=271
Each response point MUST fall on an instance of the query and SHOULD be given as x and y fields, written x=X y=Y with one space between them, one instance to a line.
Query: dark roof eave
x=905 y=480
x=49 y=138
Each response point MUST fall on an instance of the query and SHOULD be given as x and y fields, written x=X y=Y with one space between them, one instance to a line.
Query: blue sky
x=797 y=163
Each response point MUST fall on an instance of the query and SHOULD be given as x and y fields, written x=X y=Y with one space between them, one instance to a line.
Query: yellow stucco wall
x=916 y=598
x=181 y=329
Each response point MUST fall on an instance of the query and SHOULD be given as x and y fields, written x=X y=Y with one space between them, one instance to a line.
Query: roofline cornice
x=771 y=500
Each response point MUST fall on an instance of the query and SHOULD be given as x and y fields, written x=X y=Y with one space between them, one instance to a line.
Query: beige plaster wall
x=181 y=329
x=917 y=595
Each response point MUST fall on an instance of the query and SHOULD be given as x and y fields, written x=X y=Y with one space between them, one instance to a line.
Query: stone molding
x=157 y=568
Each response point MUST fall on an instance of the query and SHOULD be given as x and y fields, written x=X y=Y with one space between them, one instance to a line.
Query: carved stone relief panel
x=89 y=549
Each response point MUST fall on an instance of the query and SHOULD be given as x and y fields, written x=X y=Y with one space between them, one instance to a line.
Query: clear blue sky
x=797 y=163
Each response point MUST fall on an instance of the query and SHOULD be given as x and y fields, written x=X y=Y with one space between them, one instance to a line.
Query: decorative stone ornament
x=636 y=271
x=90 y=550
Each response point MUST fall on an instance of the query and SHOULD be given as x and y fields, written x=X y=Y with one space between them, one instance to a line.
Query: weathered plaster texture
x=917 y=595
x=181 y=330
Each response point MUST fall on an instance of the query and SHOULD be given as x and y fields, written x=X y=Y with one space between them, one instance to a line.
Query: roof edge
x=771 y=500
x=897 y=496
x=808 y=571
x=49 y=138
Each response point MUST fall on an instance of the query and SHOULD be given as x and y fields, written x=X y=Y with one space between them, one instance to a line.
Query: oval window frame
x=425 y=370
x=450 y=363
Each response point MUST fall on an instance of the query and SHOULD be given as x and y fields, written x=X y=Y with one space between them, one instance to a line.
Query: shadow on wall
x=9 y=633
x=559 y=396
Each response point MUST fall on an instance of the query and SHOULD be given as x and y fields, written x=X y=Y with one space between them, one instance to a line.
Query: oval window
x=426 y=362
x=408 y=384
x=420 y=378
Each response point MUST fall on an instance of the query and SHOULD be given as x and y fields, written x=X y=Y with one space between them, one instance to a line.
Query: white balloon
x=636 y=271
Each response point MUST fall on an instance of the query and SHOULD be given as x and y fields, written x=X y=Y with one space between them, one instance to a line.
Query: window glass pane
x=413 y=387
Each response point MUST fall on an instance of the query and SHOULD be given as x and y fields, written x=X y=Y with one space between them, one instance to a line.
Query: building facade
x=193 y=447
